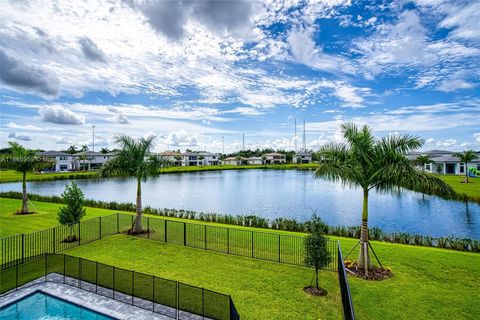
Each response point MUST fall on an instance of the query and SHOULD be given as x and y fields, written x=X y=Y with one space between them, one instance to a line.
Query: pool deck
x=80 y=293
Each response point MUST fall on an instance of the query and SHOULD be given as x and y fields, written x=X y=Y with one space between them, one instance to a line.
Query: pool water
x=41 y=306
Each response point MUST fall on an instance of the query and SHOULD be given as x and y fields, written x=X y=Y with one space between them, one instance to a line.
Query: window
x=428 y=167
x=63 y=167
x=462 y=168
x=63 y=158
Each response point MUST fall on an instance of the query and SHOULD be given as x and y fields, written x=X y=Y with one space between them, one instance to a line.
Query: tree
x=23 y=160
x=466 y=157
x=73 y=211
x=316 y=247
x=104 y=150
x=422 y=160
x=381 y=164
x=72 y=149
x=134 y=160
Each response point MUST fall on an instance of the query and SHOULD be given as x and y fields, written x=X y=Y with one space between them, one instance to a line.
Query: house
x=87 y=160
x=210 y=159
x=235 y=161
x=61 y=161
x=255 y=160
x=444 y=162
x=302 y=157
x=175 y=158
x=191 y=159
x=274 y=158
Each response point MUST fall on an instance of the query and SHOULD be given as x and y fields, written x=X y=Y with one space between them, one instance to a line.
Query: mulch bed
x=70 y=239
x=314 y=291
x=375 y=273
x=136 y=233
x=20 y=213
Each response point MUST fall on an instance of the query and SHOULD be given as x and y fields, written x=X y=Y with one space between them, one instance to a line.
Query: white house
x=200 y=159
x=255 y=160
x=443 y=162
x=209 y=159
x=87 y=160
x=302 y=157
x=235 y=161
x=61 y=161
x=274 y=158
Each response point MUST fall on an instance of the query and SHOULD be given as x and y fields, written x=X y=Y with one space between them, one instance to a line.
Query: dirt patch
x=314 y=291
x=20 y=213
x=138 y=233
x=70 y=239
x=375 y=273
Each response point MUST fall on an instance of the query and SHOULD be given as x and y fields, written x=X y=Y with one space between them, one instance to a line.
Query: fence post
x=16 y=277
x=205 y=236
x=113 y=282
x=184 y=234
x=64 y=268
x=228 y=240
x=203 y=302
x=54 y=240
x=46 y=267
x=79 y=232
x=23 y=247
x=131 y=222
x=100 y=227
x=252 y=244
x=148 y=227
x=96 y=276
x=177 y=301
x=165 y=231
x=279 y=248
x=118 y=222
x=80 y=273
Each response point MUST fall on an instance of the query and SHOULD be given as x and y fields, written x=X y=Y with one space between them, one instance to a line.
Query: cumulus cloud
x=63 y=141
x=91 y=51
x=446 y=143
x=182 y=138
x=13 y=135
x=60 y=115
x=477 y=137
x=28 y=127
x=20 y=76
x=119 y=116
x=222 y=17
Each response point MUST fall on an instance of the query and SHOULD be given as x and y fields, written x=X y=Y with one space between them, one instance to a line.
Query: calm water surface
x=282 y=193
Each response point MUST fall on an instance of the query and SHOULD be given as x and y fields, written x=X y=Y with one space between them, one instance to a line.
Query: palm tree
x=134 y=160
x=422 y=160
x=466 y=157
x=23 y=160
x=380 y=164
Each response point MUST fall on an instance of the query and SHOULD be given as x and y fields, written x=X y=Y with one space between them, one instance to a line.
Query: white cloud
x=446 y=143
x=27 y=127
x=182 y=138
x=477 y=137
x=60 y=115
x=452 y=85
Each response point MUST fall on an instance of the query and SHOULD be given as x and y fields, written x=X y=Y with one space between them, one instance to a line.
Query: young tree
x=23 y=160
x=466 y=157
x=134 y=160
x=369 y=163
x=316 y=246
x=73 y=211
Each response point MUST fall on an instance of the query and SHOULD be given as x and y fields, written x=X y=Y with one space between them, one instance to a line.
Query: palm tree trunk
x=316 y=278
x=24 y=193
x=466 y=172
x=364 y=257
x=138 y=218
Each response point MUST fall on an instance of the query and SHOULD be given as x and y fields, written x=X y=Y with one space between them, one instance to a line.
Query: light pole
x=223 y=145
x=93 y=136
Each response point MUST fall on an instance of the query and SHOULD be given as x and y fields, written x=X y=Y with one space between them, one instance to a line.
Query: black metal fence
x=348 y=313
x=167 y=297
x=254 y=244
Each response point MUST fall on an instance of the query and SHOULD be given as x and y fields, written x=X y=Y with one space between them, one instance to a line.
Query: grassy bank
x=13 y=176
x=468 y=191
x=428 y=283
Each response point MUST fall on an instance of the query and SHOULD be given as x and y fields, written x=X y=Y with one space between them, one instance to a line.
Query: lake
x=282 y=193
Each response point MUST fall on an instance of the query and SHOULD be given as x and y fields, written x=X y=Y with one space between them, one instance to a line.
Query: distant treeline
x=284 y=224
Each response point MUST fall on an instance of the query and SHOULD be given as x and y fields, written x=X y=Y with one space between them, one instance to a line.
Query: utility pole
x=243 y=141
x=304 y=138
x=93 y=138
x=223 y=145
x=295 y=137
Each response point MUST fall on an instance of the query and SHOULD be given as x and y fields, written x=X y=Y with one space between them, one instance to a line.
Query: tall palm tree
x=466 y=157
x=422 y=160
x=23 y=160
x=135 y=160
x=381 y=164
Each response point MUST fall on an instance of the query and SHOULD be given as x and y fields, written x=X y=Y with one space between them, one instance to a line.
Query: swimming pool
x=44 y=306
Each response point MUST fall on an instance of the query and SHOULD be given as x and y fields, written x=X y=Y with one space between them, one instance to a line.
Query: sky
x=196 y=73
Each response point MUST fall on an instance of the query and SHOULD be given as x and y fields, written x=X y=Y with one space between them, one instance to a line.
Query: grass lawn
x=472 y=189
x=12 y=176
x=259 y=289
x=428 y=283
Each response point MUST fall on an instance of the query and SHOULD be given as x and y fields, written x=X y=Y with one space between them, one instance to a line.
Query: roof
x=274 y=154
x=208 y=154
x=53 y=153
x=255 y=158
x=170 y=153
x=448 y=158
x=234 y=159
x=437 y=152
x=92 y=153
x=303 y=153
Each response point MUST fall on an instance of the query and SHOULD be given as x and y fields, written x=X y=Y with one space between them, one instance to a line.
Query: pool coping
x=84 y=298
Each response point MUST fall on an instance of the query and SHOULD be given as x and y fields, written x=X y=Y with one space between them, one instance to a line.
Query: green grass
x=13 y=176
x=471 y=190
x=428 y=283
x=259 y=289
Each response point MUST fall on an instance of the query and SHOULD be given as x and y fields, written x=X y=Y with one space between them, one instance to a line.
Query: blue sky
x=192 y=72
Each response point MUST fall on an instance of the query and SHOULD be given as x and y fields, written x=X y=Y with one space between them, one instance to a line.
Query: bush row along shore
x=284 y=224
